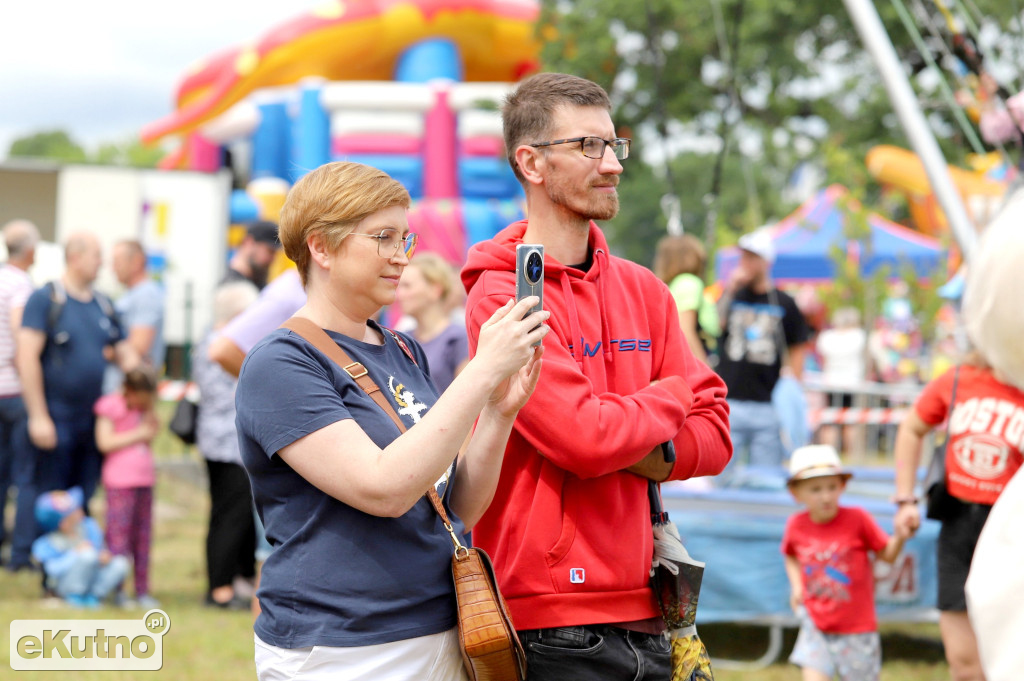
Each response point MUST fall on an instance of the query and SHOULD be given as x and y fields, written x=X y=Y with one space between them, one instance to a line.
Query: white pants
x=426 y=658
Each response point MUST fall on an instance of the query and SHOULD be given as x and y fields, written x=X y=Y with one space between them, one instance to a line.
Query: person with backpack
x=69 y=331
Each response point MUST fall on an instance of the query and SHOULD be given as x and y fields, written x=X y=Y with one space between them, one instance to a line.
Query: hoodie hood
x=499 y=254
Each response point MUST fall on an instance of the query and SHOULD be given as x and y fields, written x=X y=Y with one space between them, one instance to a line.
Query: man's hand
x=42 y=432
x=653 y=466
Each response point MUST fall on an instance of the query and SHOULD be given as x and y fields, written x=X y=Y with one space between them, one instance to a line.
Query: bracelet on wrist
x=902 y=501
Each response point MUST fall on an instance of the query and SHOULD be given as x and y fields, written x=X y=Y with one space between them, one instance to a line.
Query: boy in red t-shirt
x=830 y=571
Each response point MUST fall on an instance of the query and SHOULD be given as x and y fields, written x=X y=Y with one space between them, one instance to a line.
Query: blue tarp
x=805 y=240
x=737 y=532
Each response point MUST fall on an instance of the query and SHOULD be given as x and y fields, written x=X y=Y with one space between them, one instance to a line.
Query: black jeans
x=595 y=652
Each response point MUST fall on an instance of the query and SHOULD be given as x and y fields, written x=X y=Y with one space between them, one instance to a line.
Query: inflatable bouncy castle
x=411 y=87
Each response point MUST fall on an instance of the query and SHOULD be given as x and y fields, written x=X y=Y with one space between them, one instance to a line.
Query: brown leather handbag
x=491 y=650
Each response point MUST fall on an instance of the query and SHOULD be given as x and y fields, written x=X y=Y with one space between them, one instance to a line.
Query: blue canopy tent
x=804 y=242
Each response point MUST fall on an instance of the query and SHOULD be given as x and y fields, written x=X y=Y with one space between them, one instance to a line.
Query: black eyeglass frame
x=615 y=143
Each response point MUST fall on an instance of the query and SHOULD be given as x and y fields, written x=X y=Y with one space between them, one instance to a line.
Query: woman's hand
x=513 y=393
x=907 y=520
x=506 y=341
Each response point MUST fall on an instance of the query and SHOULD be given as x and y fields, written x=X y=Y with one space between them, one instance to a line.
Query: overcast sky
x=102 y=69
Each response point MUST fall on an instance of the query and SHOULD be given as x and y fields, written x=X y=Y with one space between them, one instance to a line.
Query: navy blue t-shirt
x=339 y=576
x=72 y=359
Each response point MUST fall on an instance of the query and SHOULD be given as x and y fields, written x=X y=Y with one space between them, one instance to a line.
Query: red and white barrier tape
x=852 y=416
x=172 y=391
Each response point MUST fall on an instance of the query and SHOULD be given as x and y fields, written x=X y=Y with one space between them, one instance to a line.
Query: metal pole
x=876 y=42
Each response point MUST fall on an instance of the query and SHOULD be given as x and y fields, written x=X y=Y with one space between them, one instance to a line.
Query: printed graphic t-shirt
x=986 y=431
x=749 y=352
x=339 y=576
x=839 y=583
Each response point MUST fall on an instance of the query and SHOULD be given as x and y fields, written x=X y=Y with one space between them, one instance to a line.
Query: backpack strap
x=105 y=305
x=58 y=299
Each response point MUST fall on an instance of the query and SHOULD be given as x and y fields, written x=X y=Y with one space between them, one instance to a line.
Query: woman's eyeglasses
x=389 y=243
x=594 y=147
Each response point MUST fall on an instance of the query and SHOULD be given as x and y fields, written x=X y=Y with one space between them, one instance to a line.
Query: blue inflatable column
x=270 y=142
x=429 y=60
x=311 y=132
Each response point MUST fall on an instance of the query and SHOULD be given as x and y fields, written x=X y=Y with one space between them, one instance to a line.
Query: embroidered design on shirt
x=442 y=482
x=577 y=575
x=406 y=400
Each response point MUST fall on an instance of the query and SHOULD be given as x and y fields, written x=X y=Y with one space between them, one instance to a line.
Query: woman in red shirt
x=983 y=451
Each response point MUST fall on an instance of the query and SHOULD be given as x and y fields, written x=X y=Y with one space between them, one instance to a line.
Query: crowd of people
x=319 y=513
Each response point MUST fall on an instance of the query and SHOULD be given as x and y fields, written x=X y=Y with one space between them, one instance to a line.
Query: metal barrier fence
x=860 y=420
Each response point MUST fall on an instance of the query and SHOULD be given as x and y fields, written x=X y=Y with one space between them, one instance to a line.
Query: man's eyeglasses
x=389 y=243
x=594 y=147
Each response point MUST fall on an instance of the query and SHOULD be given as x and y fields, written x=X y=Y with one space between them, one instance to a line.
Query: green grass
x=201 y=644
x=910 y=652
x=204 y=644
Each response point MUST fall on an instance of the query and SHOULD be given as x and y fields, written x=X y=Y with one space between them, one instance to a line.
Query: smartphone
x=530 y=275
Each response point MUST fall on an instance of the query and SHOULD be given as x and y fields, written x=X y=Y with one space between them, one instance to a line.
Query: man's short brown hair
x=331 y=201
x=528 y=110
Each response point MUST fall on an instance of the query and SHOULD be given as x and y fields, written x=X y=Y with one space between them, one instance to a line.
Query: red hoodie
x=569 y=530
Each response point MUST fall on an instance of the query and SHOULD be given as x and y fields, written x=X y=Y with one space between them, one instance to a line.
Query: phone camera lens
x=534 y=268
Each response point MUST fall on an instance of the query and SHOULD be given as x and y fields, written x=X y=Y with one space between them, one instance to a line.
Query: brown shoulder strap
x=319 y=339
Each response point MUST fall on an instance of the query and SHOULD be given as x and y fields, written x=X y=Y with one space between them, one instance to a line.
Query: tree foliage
x=58 y=145
x=55 y=145
x=755 y=88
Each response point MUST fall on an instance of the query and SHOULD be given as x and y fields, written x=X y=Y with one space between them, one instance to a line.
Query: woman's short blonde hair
x=675 y=255
x=331 y=201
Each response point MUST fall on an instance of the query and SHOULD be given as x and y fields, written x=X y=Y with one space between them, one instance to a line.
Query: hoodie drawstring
x=578 y=352
x=601 y=260
x=574 y=320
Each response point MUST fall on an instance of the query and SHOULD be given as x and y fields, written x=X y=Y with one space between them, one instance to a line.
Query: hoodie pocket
x=567 y=535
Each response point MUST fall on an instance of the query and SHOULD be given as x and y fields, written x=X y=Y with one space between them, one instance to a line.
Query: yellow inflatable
x=358 y=40
x=903 y=170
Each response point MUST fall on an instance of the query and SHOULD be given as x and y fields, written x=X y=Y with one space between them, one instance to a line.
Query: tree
x=130 y=152
x=728 y=97
x=56 y=145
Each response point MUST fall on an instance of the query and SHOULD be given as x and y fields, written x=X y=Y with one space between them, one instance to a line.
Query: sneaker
x=147 y=602
x=82 y=602
x=243 y=587
x=235 y=603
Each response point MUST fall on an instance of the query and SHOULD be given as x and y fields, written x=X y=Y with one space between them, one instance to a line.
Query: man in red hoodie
x=570 y=527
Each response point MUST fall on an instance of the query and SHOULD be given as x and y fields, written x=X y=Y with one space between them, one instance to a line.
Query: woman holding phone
x=359 y=584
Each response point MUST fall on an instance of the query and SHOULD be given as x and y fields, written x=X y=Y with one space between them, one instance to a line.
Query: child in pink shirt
x=125 y=427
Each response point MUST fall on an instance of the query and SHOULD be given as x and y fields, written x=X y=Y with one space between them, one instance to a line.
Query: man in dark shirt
x=68 y=333
x=253 y=257
x=763 y=336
